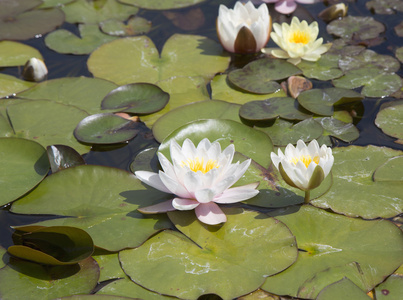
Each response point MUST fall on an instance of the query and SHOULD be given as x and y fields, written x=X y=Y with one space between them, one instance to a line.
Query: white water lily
x=244 y=29
x=304 y=167
x=298 y=41
x=199 y=177
x=34 y=70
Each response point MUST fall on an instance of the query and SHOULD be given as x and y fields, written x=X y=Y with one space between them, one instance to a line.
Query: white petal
x=204 y=195
x=192 y=182
x=152 y=179
x=174 y=186
x=184 y=204
x=166 y=165
x=237 y=194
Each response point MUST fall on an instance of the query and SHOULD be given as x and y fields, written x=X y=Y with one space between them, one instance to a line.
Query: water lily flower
x=298 y=41
x=304 y=167
x=244 y=29
x=34 y=70
x=287 y=6
x=199 y=177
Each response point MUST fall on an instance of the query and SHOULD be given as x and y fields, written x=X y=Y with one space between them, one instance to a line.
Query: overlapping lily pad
x=135 y=25
x=139 y=60
x=24 y=164
x=369 y=59
x=392 y=288
x=386 y=7
x=63 y=157
x=229 y=261
x=162 y=4
x=390 y=118
x=344 y=131
x=338 y=245
x=343 y=289
x=100 y=200
x=10 y=85
x=109 y=265
x=361 y=28
x=16 y=54
x=326 y=68
x=53 y=3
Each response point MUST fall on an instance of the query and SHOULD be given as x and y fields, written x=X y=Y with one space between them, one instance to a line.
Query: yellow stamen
x=299 y=36
x=197 y=164
x=306 y=160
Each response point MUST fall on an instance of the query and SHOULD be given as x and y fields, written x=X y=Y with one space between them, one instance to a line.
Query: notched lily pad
x=259 y=76
x=390 y=118
x=361 y=28
x=391 y=170
x=162 y=4
x=136 y=98
x=343 y=289
x=391 y=288
x=63 y=157
x=385 y=7
x=346 y=132
x=10 y=85
x=326 y=68
x=134 y=26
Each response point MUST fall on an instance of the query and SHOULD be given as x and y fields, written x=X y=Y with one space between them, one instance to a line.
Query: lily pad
x=146 y=160
x=343 y=289
x=135 y=25
x=248 y=141
x=19 y=22
x=162 y=4
x=16 y=54
x=9 y=85
x=369 y=59
x=354 y=192
x=321 y=101
x=136 y=98
x=346 y=132
x=105 y=129
x=258 y=76
x=385 y=7
x=283 y=107
x=333 y=243
x=399 y=54
x=192 y=112
x=139 y=60
x=24 y=165
x=399 y=29
x=63 y=157
x=229 y=261
x=53 y=3
x=64 y=41
x=362 y=28
x=390 y=118
x=100 y=200
x=109 y=265
x=326 y=68
x=391 y=289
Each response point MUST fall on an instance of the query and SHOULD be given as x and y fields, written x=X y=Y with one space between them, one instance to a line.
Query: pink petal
x=285 y=7
x=184 y=204
x=237 y=194
x=210 y=213
x=157 y=208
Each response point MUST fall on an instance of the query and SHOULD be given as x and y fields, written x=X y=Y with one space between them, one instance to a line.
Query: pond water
x=343 y=203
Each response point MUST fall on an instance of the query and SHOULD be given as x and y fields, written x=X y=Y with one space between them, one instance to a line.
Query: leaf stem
x=307 y=197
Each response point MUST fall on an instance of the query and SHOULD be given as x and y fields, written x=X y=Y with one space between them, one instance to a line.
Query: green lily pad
x=258 y=76
x=100 y=200
x=283 y=107
x=223 y=90
x=346 y=132
x=105 y=128
x=19 y=22
x=162 y=4
x=390 y=118
x=354 y=192
x=362 y=28
x=321 y=101
x=334 y=243
x=16 y=54
x=82 y=11
x=83 y=92
x=229 y=261
x=248 y=141
x=26 y=280
x=136 y=98
x=326 y=68
x=135 y=25
x=95 y=297
x=192 y=112
x=146 y=160
x=64 y=41
x=343 y=289
x=399 y=54
x=10 y=85
x=376 y=83
x=109 y=265
x=57 y=245
x=391 y=289
x=24 y=165
x=369 y=59
x=399 y=29
x=2 y=252
x=63 y=157
x=385 y=7
x=284 y=132
x=53 y=3
x=139 y=60
x=46 y=122
x=391 y=170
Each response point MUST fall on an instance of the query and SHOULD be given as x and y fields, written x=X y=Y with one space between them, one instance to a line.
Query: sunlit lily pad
x=321 y=101
x=139 y=60
x=283 y=107
x=335 y=243
x=229 y=261
x=162 y=4
x=391 y=170
x=63 y=157
x=248 y=141
x=100 y=200
x=362 y=28
x=109 y=266
x=16 y=54
x=354 y=192
x=53 y=3
x=390 y=119
x=136 y=98
x=135 y=25
x=19 y=22
x=392 y=288
x=105 y=128
x=64 y=41
x=369 y=59
x=259 y=76
x=10 y=85
x=82 y=11
x=24 y=164
x=343 y=289
x=344 y=131
x=386 y=7
x=26 y=280
x=326 y=68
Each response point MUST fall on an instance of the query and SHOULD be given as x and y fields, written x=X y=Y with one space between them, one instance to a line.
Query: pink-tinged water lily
x=287 y=6
x=298 y=41
x=199 y=177
x=244 y=29
x=304 y=167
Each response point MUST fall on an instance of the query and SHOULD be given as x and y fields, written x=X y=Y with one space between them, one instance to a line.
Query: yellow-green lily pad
x=162 y=4
x=16 y=54
x=9 y=85
x=343 y=289
x=390 y=119
x=135 y=25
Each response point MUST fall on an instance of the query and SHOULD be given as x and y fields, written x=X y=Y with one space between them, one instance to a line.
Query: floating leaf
x=391 y=170
x=346 y=132
x=399 y=54
x=258 y=76
x=162 y=4
x=391 y=288
x=136 y=98
x=283 y=107
x=100 y=200
x=362 y=28
x=139 y=61
x=189 y=20
x=109 y=265
x=66 y=42
x=326 y=68
x=105 y=128
x=146 y=160
x=23 y=165
x=338 y=245
x=16 y=54
x=53 y=3
x=9 y=85
x=369 y=59
x=229 y=261
x=399 y=29
x=135 y=25
x=385 y=7
x=390 y=118
x=63 y=157
x=343 y=289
